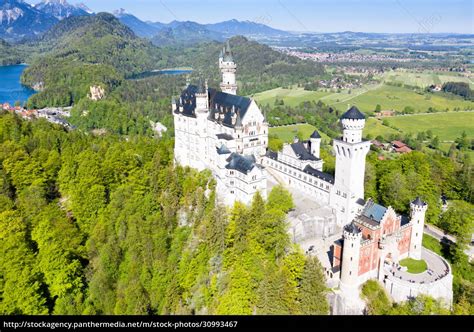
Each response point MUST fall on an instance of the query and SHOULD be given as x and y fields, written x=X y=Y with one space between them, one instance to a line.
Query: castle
x=228 y=134
x=223 y=132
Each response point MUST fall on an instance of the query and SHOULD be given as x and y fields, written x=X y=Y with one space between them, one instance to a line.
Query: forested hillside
x=9 y=55
x=104 y=225
x=81 y=51
x=259 y=67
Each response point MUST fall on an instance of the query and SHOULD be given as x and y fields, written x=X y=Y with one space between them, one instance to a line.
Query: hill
x=260 y=67
x=9 y=55
x=185 y=33
x=244 y=28
x=86 y=50
x=141 y=29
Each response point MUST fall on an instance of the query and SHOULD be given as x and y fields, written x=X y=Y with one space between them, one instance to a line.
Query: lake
x=11 y=90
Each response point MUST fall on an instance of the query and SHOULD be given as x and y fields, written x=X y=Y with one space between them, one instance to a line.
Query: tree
x=312 y=295
x=378 y=302
x=280 y=198
x=459 y=221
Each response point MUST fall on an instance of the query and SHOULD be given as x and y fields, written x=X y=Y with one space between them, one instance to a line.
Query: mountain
x=20 y=20
x=84 y=7
x=185 y=33
x=60 y=9
x=140 y=28
x=245 y=28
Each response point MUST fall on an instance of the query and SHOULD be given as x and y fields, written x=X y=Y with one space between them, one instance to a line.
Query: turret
x=202 y=97
x=353 y=123
x=417 y=213
x=228 y=69
x=352 y=236
x=173 y=104
x=315 y=140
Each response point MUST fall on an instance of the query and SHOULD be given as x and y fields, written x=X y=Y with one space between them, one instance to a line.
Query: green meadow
x=288 y=133
x=424 y=79
x=448 y=126
x=291 y=97
x=367 y=98
x=397 y=98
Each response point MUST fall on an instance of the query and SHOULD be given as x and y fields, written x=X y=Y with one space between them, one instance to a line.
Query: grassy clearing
x=291 y=97
x=414 y=266
x=423 y=79
x=288 y=133
x=448 y=126
x=397 y=98
x=374 y=127
x=432 y=244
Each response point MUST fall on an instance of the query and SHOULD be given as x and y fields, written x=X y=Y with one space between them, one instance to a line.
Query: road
x=440 y=235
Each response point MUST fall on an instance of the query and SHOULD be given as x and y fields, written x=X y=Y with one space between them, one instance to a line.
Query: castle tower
x=351 y=152
x=417 y=213
x=202 y=98
x=352 y=236
x=315 y=140
x=228 y=69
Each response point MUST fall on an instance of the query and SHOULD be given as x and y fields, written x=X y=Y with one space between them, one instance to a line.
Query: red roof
x=398 y=144
x=403 y=149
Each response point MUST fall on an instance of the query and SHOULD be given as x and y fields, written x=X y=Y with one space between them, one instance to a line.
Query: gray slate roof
x=418 y=202
x=231 y=104
x=302 y=152
x=238 y=162
x=320 y=175
x=354 y=114
x=223 y=150
x=315 y=134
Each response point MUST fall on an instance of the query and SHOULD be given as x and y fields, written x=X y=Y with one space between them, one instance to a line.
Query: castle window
x=350 y=273
x=351 y=259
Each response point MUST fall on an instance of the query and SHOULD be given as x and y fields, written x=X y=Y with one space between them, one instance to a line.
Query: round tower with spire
x=417 y=213
x=228 y=69
x=352 y=236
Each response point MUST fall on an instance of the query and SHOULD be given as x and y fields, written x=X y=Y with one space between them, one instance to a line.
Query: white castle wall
x=317 y=188
x=442 y=289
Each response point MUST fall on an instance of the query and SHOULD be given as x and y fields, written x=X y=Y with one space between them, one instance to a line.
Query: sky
x=405 y=16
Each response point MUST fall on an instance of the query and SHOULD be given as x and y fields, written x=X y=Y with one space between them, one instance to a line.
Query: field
x=367 y=98
x=375 y=128
x=397 y=98
x=424 y=79
x=448 y=126
x=288 y=133
x=291 y=97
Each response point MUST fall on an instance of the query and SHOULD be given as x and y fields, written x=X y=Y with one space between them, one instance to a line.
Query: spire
x=353 y=114
x=228 y=53
x=238 y=121
x=315 y=135
x=418 y=202
x=201 y=87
